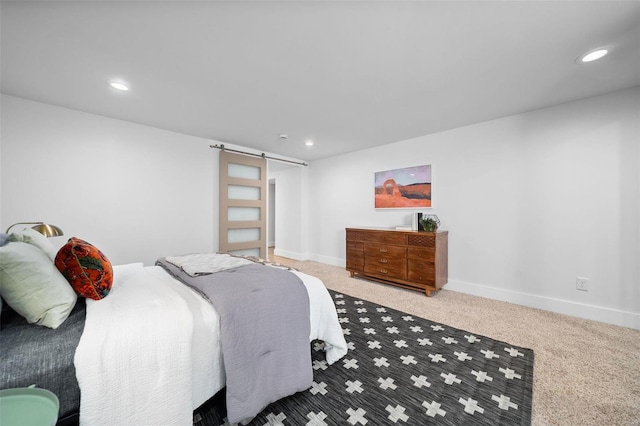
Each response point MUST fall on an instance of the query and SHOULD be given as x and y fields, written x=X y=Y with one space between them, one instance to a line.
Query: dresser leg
x=351 y=273
x=427 y=291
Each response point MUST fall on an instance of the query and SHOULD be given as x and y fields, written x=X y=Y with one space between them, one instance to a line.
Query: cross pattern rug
x=406 y=370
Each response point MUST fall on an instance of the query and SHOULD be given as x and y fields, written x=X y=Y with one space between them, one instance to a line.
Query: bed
x=151 y=352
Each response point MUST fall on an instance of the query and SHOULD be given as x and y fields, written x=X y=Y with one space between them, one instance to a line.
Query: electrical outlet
x=582 y=284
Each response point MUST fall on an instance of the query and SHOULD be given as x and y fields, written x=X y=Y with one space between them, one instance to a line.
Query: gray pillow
x=32 y=286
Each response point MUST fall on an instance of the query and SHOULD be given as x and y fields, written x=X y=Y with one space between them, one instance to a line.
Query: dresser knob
x=383 y=260
x=383 y=271
x=383 y=250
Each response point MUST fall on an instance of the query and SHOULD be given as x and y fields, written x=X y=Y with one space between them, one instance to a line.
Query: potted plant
x=430 y=223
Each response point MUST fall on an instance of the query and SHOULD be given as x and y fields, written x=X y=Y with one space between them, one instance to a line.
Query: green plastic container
x=28 y=407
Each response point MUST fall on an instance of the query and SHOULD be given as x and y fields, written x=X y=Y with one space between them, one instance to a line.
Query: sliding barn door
x=243 y=205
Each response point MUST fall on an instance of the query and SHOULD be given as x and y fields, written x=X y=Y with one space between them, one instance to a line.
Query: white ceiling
x=349 y=75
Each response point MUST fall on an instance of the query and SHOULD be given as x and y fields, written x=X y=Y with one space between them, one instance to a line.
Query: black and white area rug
x=406 y=370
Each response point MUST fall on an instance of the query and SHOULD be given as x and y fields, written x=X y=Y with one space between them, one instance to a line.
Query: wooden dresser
x=411 y=259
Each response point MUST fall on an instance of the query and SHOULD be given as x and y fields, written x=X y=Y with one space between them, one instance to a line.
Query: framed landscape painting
x=403 y=188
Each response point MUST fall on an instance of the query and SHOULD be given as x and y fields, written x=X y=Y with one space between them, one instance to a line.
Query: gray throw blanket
x=264 y=320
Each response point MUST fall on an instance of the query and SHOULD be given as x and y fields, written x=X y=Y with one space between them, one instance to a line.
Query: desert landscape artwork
x=403 y=188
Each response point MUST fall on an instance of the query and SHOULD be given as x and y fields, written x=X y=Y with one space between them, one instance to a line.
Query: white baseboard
x=591 y=312
x=305 y=256
x=328 y=260
x=290 y=254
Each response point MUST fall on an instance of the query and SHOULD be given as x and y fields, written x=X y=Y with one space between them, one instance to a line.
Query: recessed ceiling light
x=118 y=85
x=309 y=143
x=594 y=55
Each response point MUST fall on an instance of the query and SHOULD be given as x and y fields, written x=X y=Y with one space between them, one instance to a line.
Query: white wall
x=135 y=192
x=530 y=201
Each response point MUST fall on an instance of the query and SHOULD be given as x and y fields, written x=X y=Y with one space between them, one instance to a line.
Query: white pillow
x=35 y=238
x=32 y=286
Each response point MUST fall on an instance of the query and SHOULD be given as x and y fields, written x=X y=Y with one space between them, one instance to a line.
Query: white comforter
x=150 y=352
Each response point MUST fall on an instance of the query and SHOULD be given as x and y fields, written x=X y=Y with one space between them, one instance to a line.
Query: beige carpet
x=585 y=372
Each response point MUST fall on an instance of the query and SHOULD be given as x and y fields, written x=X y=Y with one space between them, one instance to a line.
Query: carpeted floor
x=586 y=372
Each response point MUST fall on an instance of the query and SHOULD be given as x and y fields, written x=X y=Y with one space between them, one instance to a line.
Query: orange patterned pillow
x=85 y=267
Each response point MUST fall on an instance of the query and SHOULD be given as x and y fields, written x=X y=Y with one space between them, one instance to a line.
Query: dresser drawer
x=355 y=261
x=386 y=238
x=421 y=271
x=385 y=262
x=388 y=271
x=422 y=239
x=355 y=246
x=355 y=235
x=421 y=266
x=422 y=277
x=421 y=253
x=372 y=249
